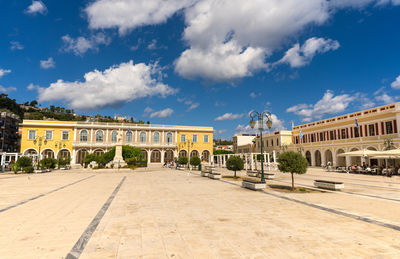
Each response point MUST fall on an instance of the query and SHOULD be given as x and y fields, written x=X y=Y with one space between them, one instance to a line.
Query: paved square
x=166 y=213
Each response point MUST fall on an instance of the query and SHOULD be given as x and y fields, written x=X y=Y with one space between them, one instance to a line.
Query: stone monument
x=118 y=159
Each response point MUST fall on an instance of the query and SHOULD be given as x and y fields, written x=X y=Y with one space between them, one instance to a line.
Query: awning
x=364 y=153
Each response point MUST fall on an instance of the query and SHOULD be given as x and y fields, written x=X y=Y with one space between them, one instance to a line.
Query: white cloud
x=127 y=14
x=114 y=86
x=4 y=72
x=229 y=116
x=329 y=104
x=36 y=7
x=7 y=89
x=163 y=113
x=220 y=132
x=32 y=87
x=223 y=62
x=253 y=95
x=299 y=56
x=49 y=63
x=147 y=111
x=193 y=106
x=81 y=45
x=385 y=98
x=15 y=45
x=396 y=83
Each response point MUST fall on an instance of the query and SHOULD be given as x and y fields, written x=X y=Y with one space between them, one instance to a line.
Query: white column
x=274 y=156
x=162 y=142
x=269 y=162
x=73 y=158
x=107 y=136
x=252 y=161
x=323 y=158
x=149 y=137
x=75 y=133
x=348 y=161
x=136 y=136
x=148 y=156
x=91 y=135
x=162 y=156
x=176 y=137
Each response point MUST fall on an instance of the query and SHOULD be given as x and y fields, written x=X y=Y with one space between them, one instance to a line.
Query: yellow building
x=159 y=143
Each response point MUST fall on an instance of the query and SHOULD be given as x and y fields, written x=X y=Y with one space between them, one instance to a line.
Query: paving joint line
x=337 y=212
x=43 y=194
x=80 y=245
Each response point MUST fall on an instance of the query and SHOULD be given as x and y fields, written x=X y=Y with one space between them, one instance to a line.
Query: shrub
x=292 y=162
x=234 y=163
x=63 y=161
x=28 y=169
x=183 y=160
x=48 y=163
x=14 y=167
x=195 y=161
x=24 y=161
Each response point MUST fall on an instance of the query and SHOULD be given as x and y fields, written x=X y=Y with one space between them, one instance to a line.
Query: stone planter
x=254 y=185
x=204 y=174
x=215 y=176
x=335 y=186
x=39 y=171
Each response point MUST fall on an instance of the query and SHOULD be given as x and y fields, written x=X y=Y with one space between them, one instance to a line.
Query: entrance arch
x=194 y=153
x=168 y=156
x=355 y=160
x=317 y=156
x=341 y=160
x=98 y=152
x=48 y=153
x=80 y=156
x=328 y=157
x=205 y=156
x=183 y=153
x=30 y=152
x=308 y=157
x=64 y=153
x=155 y=156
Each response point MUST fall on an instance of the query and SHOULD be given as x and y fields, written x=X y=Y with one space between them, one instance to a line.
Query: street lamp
x=189 y=144
x=260 y=117
x=39 y=141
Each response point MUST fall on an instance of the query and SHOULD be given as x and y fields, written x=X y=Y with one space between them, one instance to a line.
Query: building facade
x=322 y=142
x=242 y=140
x=9 y=136
x=159 y=143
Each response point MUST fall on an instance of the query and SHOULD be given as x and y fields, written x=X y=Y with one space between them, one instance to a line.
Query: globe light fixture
x=260 y=117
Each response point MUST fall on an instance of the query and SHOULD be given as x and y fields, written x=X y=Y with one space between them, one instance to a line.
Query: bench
x=267 y=176
x=253 y=184
x=330 y=185
x=215 y=176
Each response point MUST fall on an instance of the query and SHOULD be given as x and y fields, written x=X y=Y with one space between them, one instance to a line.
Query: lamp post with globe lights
x=260 y=118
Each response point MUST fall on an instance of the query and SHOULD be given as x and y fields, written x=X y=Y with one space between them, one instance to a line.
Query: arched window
x=156 y=137
x=142 y=137
x=114 y=136
x=99 y=136
x=129 y=136
x=83 y=135
x=169 y=138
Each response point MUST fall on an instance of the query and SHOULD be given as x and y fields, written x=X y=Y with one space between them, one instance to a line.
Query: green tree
x=183 y=160
x=33 y=103
x=195 y=161
x=292 y=162
x=234 y=163
x=223 y=152
x=24 y=161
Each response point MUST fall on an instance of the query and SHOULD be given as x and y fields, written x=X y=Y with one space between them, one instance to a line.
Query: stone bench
x=204 y=173
x=253 y=184
x=215 y=176
x=330 y=185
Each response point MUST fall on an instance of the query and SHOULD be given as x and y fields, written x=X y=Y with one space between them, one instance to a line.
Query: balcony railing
x=111 y=144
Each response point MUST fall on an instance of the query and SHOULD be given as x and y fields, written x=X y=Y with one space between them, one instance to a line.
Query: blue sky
x=203 y=62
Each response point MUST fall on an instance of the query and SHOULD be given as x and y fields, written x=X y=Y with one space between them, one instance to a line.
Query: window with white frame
x=83 y=136
x=32 y=134
x=205 y=138
x=169 y=138
x=129 y=136
x=142 y=137
x=114 y=137
x=183 y=138
x=99 y=136
x=194 y=138
x=65 y=135
x=156 y=137
x=49 y=134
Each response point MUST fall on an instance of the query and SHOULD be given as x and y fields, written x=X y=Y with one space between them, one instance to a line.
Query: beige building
x=322 y=141
x=242 y=140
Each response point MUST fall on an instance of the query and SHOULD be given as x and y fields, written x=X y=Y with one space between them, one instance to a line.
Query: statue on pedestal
x=118 y=158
